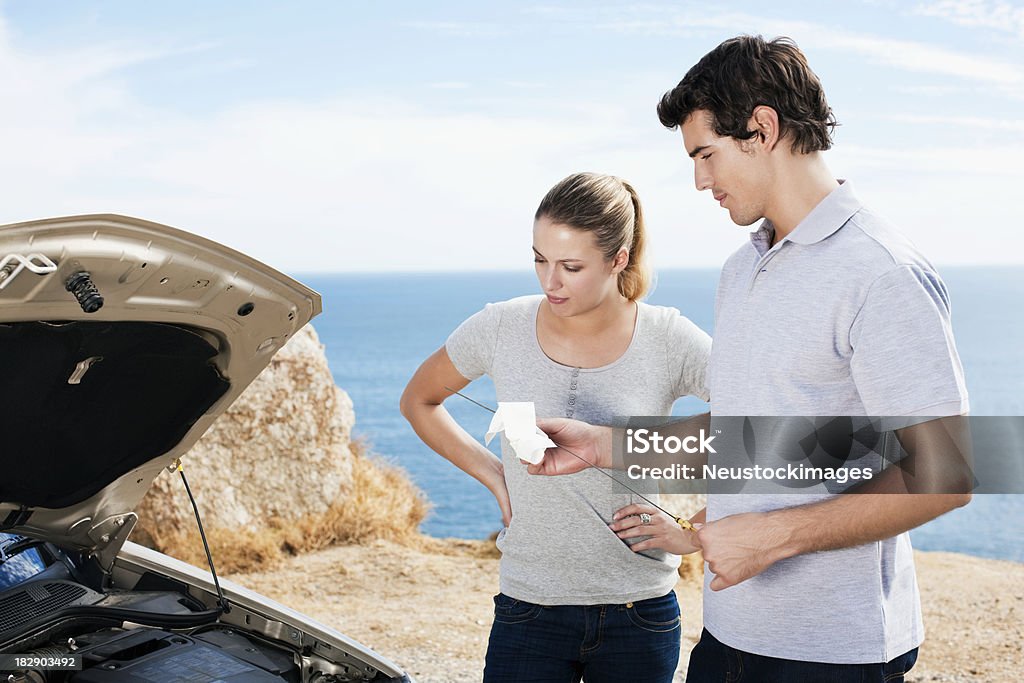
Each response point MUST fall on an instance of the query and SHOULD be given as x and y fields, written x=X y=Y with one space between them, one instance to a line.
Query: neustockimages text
x=644 y=441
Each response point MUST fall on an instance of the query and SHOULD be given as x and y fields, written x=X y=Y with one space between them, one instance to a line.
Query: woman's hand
x=505 y=505
x=495 y=482
x=663 y=530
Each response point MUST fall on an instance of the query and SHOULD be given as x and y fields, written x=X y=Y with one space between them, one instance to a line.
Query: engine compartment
x=133 y=655
x=144 y=626
x=53 y=617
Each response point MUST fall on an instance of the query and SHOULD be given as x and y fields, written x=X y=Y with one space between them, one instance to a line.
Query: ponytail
x=635 y=278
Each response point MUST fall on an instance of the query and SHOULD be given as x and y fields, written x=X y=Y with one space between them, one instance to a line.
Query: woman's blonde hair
x=608 y=207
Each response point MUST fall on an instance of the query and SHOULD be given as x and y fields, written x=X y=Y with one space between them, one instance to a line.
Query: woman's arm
x=421 y=406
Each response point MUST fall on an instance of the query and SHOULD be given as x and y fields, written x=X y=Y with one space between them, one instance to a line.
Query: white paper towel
x=518 y=420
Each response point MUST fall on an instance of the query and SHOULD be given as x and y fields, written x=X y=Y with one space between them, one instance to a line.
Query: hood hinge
x=109 y=535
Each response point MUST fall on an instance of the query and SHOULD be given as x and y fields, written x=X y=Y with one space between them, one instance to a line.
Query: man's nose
x=701 y=178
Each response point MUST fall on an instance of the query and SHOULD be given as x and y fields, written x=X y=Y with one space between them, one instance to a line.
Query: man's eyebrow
x=698 y=150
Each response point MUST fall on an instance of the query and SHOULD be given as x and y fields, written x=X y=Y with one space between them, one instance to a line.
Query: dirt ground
x=429 y=609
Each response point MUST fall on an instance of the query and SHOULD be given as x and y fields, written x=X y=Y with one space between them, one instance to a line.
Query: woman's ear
x=765 y=122
x=620 y=261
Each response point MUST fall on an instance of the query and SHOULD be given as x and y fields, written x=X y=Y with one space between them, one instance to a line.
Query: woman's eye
x=539 y=260
x=572 y=269
x=706 y=156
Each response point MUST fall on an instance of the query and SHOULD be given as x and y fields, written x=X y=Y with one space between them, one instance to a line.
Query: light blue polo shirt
x=842 y=317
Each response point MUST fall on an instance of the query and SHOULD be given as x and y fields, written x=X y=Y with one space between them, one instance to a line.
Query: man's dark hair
x=746 y=72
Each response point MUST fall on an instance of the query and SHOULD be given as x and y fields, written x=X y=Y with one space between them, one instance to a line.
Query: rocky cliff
x=279 y=472
x=281 y=450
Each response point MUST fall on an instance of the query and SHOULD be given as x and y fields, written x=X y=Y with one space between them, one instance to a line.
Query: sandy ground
x=430 y=609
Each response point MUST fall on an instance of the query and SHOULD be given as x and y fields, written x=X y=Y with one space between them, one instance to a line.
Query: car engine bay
x=158 y=630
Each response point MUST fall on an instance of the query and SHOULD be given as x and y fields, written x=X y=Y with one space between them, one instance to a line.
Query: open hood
x=121 y=341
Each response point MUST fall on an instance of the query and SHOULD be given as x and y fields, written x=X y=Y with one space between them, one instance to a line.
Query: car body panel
x=163 y=281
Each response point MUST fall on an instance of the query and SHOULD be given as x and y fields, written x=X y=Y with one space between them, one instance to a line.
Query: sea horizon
x=377 y=327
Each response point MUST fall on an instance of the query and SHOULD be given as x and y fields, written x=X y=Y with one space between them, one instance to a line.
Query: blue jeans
x=713 y=660
x=636 y=642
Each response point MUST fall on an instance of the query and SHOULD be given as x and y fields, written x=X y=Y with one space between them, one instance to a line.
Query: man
x=827 y=311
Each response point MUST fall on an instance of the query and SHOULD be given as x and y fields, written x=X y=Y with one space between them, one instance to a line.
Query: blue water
x=377 y=328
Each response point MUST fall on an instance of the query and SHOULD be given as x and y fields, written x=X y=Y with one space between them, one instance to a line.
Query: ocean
x=377 y=329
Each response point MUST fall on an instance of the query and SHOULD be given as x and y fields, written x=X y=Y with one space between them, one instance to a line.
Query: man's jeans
x=637 y=642
x=712 y=660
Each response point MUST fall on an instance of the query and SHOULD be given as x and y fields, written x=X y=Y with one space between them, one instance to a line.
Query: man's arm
x=933 y=479
x=581 y=445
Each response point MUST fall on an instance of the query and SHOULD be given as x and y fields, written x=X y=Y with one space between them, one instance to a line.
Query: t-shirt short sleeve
x=689 y=349
x=904 y=359
x=471 y=346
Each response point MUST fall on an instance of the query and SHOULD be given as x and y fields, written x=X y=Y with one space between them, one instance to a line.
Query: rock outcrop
x=281 y=451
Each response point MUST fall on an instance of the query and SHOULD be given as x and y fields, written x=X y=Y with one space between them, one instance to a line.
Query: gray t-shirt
x=843 y=316
x=558 y=550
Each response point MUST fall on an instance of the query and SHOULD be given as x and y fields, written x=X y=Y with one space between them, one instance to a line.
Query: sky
x=409 y=136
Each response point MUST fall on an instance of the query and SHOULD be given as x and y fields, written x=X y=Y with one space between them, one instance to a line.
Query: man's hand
x=741 y=546
x=590 y=445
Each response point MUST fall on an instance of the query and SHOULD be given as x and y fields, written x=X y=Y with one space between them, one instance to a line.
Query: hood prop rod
x=225 y=606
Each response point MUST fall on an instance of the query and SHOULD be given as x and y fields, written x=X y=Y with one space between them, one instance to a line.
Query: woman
x=575 y=599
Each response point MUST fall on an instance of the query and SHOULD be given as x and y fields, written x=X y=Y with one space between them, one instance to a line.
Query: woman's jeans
x=712 y=660
x=636 y=642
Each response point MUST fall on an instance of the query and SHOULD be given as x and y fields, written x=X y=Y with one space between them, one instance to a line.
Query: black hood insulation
x=70 y=426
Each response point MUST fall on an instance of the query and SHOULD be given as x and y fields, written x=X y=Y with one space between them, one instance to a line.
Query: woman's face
x=571 y=270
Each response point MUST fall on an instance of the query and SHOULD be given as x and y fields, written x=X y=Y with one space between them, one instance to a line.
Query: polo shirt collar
x=826 y=218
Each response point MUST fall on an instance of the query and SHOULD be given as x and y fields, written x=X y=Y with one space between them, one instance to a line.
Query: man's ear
x=765 y=122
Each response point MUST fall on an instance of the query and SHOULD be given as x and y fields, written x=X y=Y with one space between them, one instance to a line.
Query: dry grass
x=380 y=503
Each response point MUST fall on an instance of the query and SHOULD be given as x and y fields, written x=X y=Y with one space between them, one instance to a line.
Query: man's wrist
x=781 y=538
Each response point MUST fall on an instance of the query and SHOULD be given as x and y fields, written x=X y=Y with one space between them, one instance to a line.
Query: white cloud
x=461 y=29
x=1000 y=16
x=932 y=90
x=913 y=56
x=344 y=184
x=449 y=85
x=524 y=85
x=918 y=57
x=367 y=182
x=975 y=122
x=966 y=163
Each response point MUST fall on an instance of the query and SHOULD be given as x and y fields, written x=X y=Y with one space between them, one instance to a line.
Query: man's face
x=734 y=171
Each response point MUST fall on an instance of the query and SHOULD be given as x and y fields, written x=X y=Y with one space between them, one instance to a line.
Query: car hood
x=93 y=405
